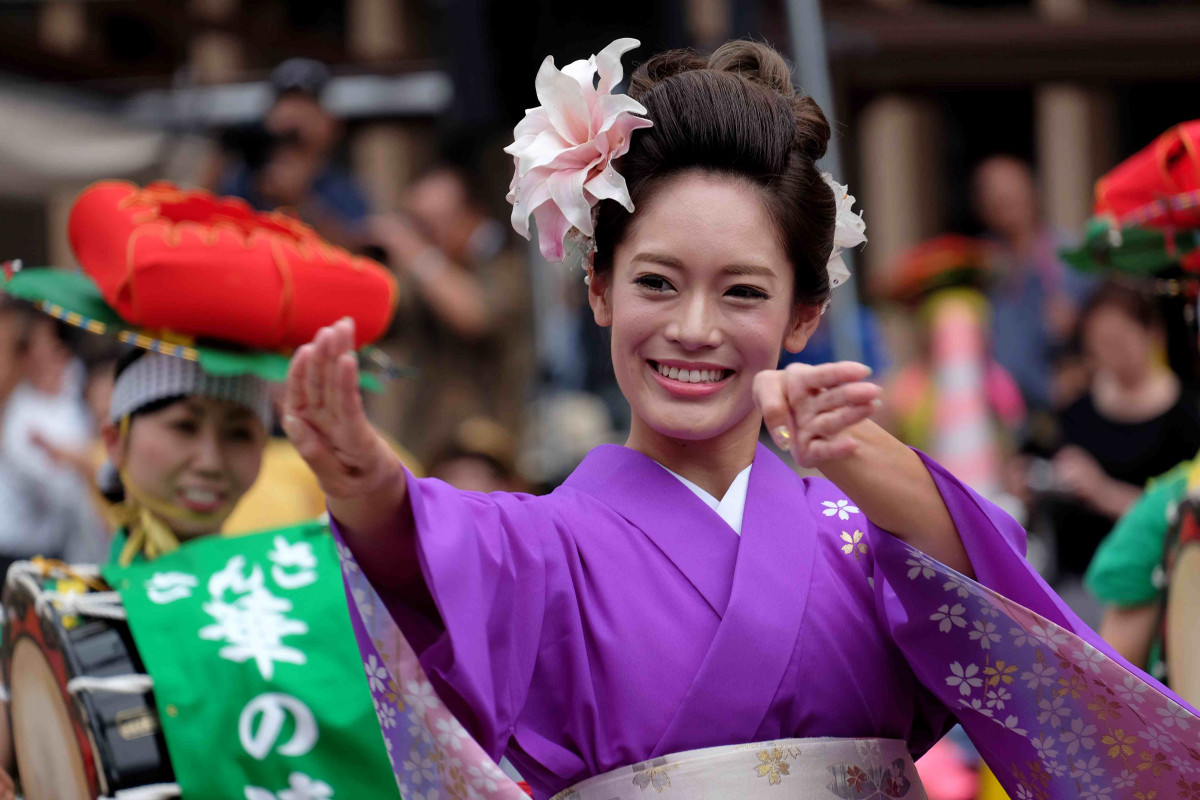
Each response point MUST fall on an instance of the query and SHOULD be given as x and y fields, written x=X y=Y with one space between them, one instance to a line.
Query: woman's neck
x=711 y=464
x=1135 y=401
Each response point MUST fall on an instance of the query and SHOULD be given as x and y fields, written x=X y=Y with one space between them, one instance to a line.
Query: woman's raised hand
x=810 y=410
x=323 y=416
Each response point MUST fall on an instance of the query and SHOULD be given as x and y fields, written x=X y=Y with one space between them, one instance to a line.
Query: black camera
x=255 y=145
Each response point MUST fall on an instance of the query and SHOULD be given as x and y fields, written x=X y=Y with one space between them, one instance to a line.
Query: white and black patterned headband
x=155 y=376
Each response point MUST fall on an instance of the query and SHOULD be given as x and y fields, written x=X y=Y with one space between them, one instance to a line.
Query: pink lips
x=684 y=389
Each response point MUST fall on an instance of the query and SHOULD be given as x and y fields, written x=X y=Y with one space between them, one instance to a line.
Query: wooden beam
x=933 y=48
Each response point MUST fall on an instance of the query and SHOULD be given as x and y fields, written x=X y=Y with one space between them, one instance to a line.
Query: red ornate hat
x=1146 y=217
x=206 y=278
x=203 y=265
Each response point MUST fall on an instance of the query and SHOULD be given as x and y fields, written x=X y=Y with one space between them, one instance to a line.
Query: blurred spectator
x=464 y=319
x=40 y=397
x=1033 y=295
x=1136 y=421
x=952 y=399
x=480 y=457
x=287 y=160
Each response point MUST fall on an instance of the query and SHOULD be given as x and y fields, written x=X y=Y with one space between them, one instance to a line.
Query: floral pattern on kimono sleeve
x=432 y=755
x=1053 y=715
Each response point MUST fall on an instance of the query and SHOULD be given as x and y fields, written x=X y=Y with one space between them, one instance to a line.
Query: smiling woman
x=686 y=612
x=186 y=444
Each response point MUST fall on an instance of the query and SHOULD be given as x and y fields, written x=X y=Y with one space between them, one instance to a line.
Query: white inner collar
x=731 y=507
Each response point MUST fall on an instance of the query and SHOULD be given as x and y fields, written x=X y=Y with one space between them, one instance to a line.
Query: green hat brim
x=1134 y=250
x=73 y=298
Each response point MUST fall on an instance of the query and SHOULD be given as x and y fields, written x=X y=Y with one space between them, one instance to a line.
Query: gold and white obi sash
x=788 y=769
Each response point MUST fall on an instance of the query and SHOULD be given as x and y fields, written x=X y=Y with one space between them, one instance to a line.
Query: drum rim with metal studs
x=83 y=638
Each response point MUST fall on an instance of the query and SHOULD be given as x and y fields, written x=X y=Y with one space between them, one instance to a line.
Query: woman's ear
x=804 y=322
x=112 y=445
x=600 y=296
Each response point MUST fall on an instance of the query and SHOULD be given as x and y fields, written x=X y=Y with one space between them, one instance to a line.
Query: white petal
x=839 y=273
x=608 y=63
x=582 y=72
x=534 y=122
x=528 y=193
x=552 y=227
x=563 y=100
x=544 y=148
x=549 y=153
x=621 y=131
x=610 y=106
x=566 y=190
x=610 y=185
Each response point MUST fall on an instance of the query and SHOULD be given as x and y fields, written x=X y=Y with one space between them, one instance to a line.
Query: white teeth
x=691 y=375
x=200 y=496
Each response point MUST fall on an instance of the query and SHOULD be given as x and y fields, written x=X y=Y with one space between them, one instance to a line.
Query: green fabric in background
x=257 y=677
x=1122 y=571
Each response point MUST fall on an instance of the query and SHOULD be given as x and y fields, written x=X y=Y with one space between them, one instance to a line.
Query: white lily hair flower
x=849 y=230
x=564 y=148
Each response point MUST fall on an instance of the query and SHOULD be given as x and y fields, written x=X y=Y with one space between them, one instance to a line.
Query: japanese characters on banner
x=251 y=651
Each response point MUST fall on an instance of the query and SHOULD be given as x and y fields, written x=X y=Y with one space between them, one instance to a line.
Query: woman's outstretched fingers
x=293 y=396
x=772 y=401
x=314 y=373
x=831 y=423
x=349 y=401
x=849 y=394
x=330 y=395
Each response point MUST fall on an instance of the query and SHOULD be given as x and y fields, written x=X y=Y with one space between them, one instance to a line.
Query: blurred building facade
x=924 y=90
x=928 y=88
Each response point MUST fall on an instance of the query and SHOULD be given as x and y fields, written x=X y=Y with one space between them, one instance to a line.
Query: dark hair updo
x=736 y=114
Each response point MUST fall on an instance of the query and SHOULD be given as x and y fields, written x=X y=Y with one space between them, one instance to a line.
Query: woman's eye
x=186 y=426
x=747 y=292
x=655 y=283
x=240 y=435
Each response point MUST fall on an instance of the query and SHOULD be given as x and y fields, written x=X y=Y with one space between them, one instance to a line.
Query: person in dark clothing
x=1136 y=421
x=287 y=161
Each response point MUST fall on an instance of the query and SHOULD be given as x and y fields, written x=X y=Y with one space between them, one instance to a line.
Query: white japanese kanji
x=250 y=619
x=167 y=587
x=300 y=787
x=295 y=564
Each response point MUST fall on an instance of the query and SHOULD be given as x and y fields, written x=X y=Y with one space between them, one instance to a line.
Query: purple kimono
x=619 y=618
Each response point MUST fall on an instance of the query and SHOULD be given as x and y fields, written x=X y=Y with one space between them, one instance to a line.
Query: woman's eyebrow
x=660 y=259
x=731 y=269
x=749 y=269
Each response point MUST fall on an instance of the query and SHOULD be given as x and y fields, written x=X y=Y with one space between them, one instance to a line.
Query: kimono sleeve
x=1053 y=709
x=482 y=557
x=1122 y=571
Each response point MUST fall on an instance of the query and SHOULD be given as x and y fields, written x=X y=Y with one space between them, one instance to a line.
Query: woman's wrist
x=376 y=508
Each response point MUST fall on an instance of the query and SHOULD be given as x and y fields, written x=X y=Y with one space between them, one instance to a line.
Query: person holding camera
x=286 y=160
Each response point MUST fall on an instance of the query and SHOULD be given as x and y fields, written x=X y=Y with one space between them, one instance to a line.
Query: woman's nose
x=208 y=456
x=695 y=324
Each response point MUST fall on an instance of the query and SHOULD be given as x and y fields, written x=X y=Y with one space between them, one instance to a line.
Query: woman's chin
x=692 y=425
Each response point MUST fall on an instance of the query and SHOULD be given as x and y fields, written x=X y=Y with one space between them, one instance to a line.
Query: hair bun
x=762 y=64
x=756 y=62
x=660 y=67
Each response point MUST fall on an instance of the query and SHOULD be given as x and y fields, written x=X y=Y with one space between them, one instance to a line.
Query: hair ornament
x=849 y=230
x=563 y=150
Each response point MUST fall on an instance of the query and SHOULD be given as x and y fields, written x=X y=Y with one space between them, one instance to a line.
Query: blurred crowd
x=1080 y=405
x=1071 y=404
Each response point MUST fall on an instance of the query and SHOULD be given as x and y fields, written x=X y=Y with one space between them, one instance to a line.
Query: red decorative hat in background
x=945 y=261
x=1146 y=218
x=208 y=279
x=207 y=266
x=1151 y=187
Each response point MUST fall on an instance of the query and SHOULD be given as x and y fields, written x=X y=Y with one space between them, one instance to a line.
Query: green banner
x=256 y=673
